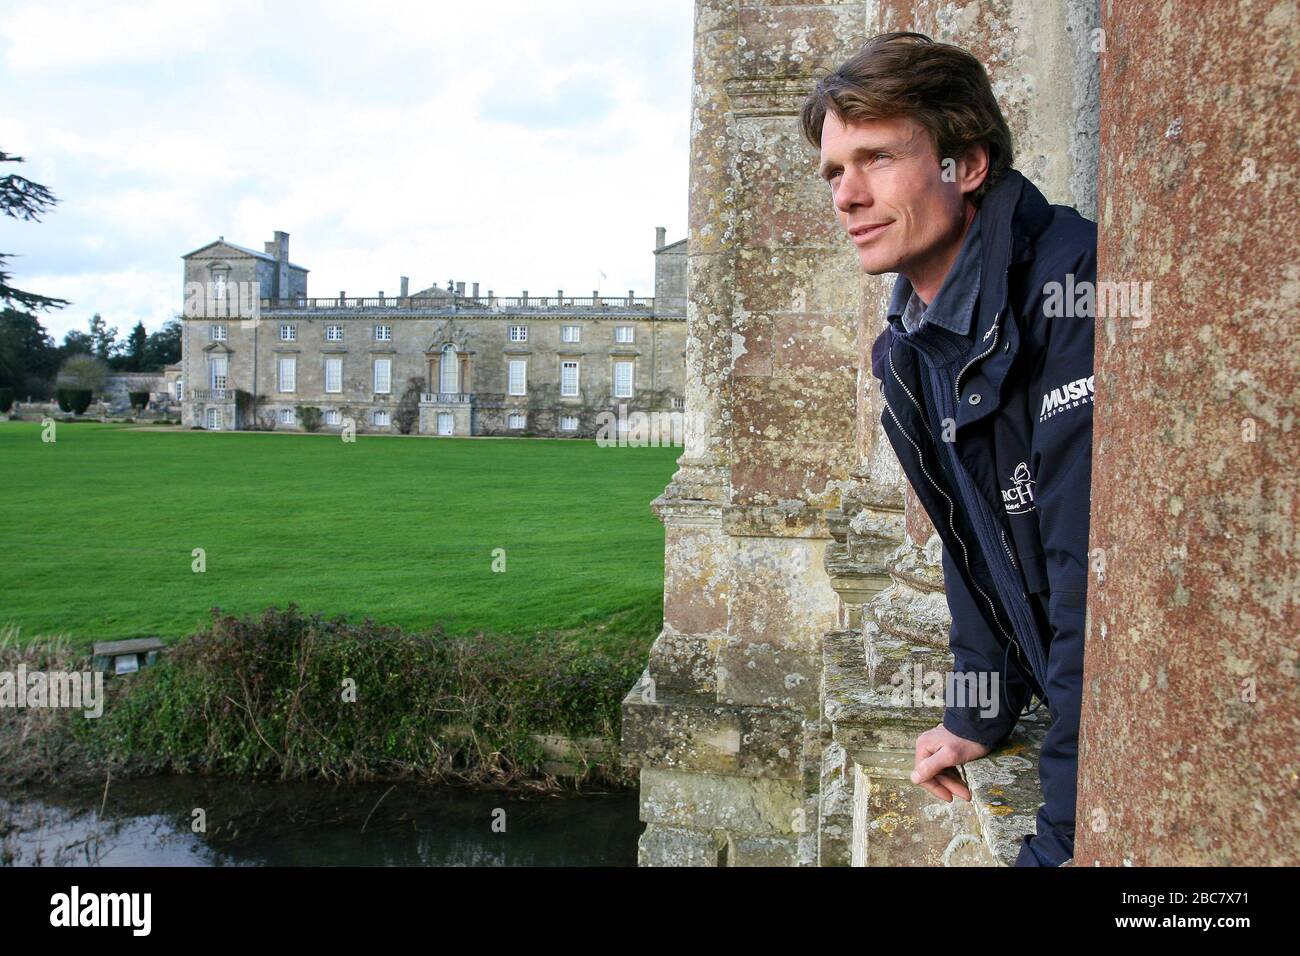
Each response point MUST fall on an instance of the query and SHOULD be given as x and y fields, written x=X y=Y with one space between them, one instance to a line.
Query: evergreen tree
x=20 y=198
x=28 y=356
x=136 y=345
x=164 y=346
x=77 y=343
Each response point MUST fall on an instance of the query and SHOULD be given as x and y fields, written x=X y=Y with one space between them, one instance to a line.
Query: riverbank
x=288 y=696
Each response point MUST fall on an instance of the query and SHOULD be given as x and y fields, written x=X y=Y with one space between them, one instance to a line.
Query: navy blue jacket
x=1024 y=434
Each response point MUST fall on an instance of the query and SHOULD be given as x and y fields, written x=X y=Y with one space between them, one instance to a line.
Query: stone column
x=1188 y=745
x=724 y=725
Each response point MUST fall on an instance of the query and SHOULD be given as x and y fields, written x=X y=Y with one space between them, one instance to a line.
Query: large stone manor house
x=257 y=351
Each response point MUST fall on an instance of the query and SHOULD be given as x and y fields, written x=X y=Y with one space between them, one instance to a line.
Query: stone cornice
x=768 y=95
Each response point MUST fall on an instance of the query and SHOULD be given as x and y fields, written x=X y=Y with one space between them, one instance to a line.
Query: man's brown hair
x=940 y=86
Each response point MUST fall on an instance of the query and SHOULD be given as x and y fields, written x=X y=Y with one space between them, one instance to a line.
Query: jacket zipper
x=920 y=457
x=951 y=509
x=994 y=344
x=1014 y=563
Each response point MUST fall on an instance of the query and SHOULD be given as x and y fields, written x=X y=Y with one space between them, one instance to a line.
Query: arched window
x=449 y=371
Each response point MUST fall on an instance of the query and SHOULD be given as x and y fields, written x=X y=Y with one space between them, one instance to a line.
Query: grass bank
x=295 y=696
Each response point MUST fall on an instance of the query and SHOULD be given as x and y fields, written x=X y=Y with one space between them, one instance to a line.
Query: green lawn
x=97 y=530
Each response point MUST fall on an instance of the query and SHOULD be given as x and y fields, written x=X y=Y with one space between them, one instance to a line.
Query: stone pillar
x=724 y=724
x=1188 y=752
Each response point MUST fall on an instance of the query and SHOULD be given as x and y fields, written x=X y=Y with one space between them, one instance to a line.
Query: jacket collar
x=1013 y=213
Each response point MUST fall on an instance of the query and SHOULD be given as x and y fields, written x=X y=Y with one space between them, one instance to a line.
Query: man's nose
x=851 y=191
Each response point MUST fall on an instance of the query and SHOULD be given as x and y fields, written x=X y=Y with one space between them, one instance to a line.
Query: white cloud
x=57 y=36
x=521 y=145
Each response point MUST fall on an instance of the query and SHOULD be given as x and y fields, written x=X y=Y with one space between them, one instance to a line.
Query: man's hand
x=937 y=752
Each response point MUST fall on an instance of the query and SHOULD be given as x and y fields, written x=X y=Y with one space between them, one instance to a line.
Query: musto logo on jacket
x=1019 y=498
x=1076 y=393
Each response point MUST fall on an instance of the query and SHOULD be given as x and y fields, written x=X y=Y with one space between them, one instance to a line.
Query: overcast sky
x=519 y=144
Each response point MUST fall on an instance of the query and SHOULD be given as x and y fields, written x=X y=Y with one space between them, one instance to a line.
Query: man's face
x=889 y=191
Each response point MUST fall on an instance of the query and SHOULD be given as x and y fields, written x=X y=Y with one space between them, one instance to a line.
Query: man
x=986 y=375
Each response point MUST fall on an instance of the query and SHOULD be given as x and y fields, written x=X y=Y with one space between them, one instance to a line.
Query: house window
x=288 y=332
x=217 y=332
x=219 y=367
x=383 y=376
x=333 y=333
x=180 y=389
x=333 y=375
x=214 y=419
x=381 y=418
x=569 y=423
x=383 y=333
x=518 y=377
x=569 y=378
x=518 y=333
x=288 y=367
x=449 y=371
x=287 y=373
x=333 y=416
x=679 y=403
x=622 y=379
x=570 y=333
x=286 y=416
x=623 y=334
x=515 y=420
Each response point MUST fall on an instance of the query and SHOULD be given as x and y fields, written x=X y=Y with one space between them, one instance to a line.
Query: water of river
x=156 y=822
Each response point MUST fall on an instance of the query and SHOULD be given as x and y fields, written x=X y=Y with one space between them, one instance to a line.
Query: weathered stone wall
x=657 y=352
x=1188 y=751
x=670 y=278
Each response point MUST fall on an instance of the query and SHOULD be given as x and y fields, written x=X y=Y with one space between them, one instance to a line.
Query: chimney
x=282 y=246
x=406 y=286
x=269 y=248
x=460 y=288
x=476 y=290
x=660 y=232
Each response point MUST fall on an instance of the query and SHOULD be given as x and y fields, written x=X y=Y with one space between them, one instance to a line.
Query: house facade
x=258 y=352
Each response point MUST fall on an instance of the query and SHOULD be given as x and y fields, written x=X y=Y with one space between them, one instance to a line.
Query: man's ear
x=973 y=168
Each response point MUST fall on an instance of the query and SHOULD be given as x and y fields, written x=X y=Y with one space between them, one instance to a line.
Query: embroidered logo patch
x=1061 y=399
x=1019 y=498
